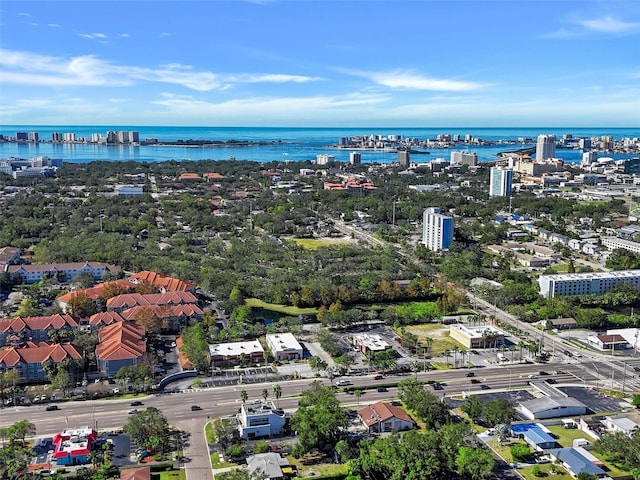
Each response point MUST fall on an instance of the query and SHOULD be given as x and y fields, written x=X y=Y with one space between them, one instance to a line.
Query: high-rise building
x=324 y=159
x=22 y=136
x=69 y=137
x=34 y=137
x=134 y=136
x=437 y=229
x=500 y=182
x=56 y=137
x=464 y=158
x=355 y=158
x=403 y=158
x=545 y=147
x=588 y=158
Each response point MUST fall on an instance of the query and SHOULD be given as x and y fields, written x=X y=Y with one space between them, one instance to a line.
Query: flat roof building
x=236 y=351
x=592 y=283
x=476 y=337
x=284 y=346
x=370 y=342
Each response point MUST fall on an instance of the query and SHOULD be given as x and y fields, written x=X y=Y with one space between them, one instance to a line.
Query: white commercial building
x=592 y=283
x=437 y=229
x=476 y=337
x=324 y=159
x=284 y=346
x=260 y=419
x=631 y=335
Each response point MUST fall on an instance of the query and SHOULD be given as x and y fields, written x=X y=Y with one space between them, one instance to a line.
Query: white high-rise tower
x=545 y=147
x=437 y=229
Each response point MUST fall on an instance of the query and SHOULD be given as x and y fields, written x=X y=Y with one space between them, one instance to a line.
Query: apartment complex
x=545 y=147
x=437 y=229
x=500 y=182
x=592 y=283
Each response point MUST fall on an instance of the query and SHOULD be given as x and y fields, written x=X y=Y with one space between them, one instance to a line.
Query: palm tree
x=357 y=393
x=265 y=394
x=455 y=350
x=428 y=342
x=512 y=349
x=446 y=354
x=244 y=395
x=277 y=393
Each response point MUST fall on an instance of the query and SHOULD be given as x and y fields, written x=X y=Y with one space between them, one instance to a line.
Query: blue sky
x=389 y=63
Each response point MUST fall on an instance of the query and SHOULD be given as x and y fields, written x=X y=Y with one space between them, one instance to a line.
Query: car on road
x=532 y=376
x=475 y=380
x=551 y=380
x=542 y=372
x=378 y=377
x=51 y=408
x=382 y=389
x=136 y=403
x=132 y=411
x=436 y=386
x=195 y=408
x=470 y=374
x=343 y=383
x=485 y=387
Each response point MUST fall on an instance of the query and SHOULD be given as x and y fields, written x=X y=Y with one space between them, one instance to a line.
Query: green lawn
x=317 y=470
x=545 y=470
x=172 y=475
x=286 y=309
x=566 y=436
x=315 y=243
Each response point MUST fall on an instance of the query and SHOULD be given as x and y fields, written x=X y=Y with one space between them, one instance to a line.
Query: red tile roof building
x=121 y=345
x=120 y=303
x=136 y=473
x=96 y=292
x=30 y=359
x=163 y=282
x=35 y=328
x=382 y=417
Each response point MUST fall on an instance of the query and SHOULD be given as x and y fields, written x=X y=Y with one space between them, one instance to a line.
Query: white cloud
x=93 y=36
x=401 y=79
x=53 y=25
x=124 y=35
x=89 y=70
x=610 y=24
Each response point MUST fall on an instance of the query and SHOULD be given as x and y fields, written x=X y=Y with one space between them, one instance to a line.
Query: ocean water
x=295 y=144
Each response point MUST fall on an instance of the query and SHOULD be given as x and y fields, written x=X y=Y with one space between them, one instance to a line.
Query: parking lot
x=594 y=400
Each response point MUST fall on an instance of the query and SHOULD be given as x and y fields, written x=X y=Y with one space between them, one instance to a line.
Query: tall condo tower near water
x=500 y=182
x=437 y=229
x=355 y=158
x=545 y=147
x=403 y=158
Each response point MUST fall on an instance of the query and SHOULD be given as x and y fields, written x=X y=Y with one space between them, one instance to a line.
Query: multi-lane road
x=221 y=401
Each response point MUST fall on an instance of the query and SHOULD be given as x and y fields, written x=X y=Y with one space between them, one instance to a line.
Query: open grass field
x=317 y=470
x=286 y=309
x=439 y=333
x=315 y=243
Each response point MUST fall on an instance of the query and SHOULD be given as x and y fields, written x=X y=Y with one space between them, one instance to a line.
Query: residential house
x=575 y=462
x=270 y=466
x=63 y=272
x=30 y=360
x=284 y=346
x=35 y=329
x=261 y=419
x=620 y=423
x=121 y=345
x=383 y=417
x=536 y=435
